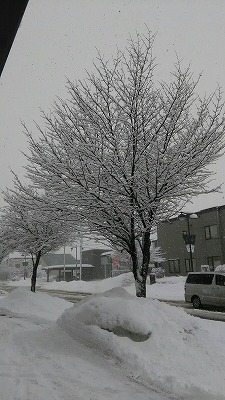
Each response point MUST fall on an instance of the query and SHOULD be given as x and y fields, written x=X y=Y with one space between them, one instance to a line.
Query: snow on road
x=110 y=345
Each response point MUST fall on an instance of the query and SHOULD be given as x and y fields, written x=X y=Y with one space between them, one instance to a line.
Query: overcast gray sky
x=58 y=39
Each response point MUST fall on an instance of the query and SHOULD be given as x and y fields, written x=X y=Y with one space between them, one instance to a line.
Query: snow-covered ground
x=111 y=345
x=169 y=288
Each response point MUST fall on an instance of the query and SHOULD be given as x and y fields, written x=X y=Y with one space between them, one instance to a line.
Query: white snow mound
x=98 y=286
x=159 y=342
x=26 y=303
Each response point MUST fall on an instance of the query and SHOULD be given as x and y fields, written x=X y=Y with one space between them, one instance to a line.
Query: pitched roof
x=58 y=259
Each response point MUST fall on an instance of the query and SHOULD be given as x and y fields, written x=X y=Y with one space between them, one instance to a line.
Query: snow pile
x=26 y=303
x=98 y=286
x=168 y=288
x=157 y=342
x=220 y=268
x=24 y=282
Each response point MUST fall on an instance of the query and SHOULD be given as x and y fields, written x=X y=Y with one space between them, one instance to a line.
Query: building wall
x=93 y=257
x=207 y=251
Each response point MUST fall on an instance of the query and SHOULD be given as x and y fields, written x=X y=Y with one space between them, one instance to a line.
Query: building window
x=211 y=232
x=213 y=262
x=188 y=264
x=174 y=266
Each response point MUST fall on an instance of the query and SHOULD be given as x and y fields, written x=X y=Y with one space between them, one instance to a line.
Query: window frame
x=173 y=260
x=212 y=264
x=187 y=261
x=208 y=235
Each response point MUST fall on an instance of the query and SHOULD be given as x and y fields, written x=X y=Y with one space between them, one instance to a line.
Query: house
x=193 y=241
x=17 y=260
x=15 y=265
x=65 y=267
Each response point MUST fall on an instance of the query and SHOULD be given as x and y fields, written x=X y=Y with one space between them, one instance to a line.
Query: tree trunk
x=34 y=272
x=141 y=278
x=140 y=286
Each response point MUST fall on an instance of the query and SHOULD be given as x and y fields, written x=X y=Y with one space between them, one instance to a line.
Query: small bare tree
x=125 y=152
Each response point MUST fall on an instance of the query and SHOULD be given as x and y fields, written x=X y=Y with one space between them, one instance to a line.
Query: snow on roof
x=54 y=259
x=108 y=253
x=68 y=266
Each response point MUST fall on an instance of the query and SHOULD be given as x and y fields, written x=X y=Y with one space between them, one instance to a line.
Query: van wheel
x=196 y=302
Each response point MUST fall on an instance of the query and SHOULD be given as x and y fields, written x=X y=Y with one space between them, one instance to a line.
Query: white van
x=205 y=289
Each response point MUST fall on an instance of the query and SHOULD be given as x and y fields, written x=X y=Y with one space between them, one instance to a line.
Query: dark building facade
x=93 y=257
x=206 y=229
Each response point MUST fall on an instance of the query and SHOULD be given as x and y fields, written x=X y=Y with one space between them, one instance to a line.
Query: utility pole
x=64 y=263
x=189 y=239
x=81 y=245
x=190 y=244
x=76 y=261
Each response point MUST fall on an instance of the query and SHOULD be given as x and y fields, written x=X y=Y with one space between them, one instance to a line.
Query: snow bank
x=26 y=303
x=220 y=268
x=157 y=343
x=98 y=286
x=174 y=350
x=24 y=282
x=168 y=288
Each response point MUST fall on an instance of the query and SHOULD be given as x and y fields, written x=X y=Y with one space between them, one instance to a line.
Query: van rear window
x=202 y=279
x=220 y=280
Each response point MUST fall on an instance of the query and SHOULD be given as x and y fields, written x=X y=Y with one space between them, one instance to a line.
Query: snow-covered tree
x=28 y=225
x=156 y=254
x=125 y=152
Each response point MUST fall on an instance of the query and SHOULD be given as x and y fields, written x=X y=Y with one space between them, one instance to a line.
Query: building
x=65 y=267
x=192 y=241
x=15 y=266
x=115 y=263
x=93 y=257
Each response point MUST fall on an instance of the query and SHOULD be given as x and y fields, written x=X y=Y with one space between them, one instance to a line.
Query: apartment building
x=193 y=241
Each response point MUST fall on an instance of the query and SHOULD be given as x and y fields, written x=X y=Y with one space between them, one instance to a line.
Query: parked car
x=205 y=289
